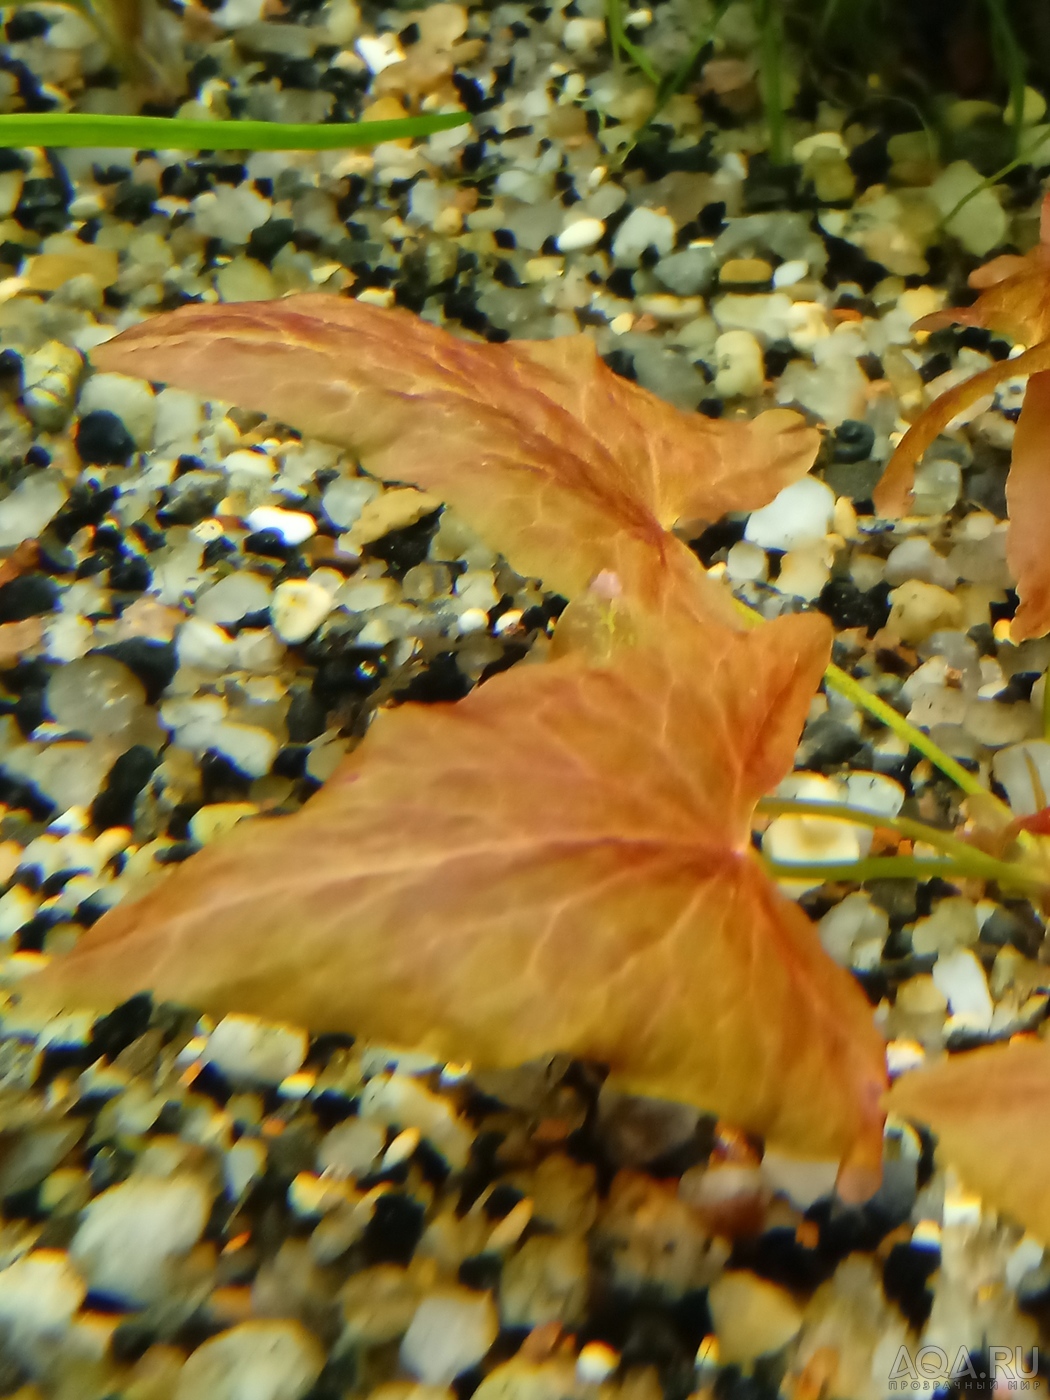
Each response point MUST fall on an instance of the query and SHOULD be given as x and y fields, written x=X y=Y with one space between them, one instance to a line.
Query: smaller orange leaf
x=560 y=463
x=1028 y=507
x=990 y=1110
x=893 y=491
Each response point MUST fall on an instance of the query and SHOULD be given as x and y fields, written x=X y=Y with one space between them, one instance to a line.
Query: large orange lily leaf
x=566 y=467
x=990 y=1110
x=559 y=862
x=1015 y=299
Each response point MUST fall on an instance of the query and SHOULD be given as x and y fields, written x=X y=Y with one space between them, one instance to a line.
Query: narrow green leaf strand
x=184 y=134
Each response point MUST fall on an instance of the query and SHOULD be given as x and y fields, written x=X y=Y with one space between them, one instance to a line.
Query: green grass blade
x=180 y=134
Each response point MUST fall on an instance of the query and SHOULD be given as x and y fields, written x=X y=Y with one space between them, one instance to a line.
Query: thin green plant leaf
x=1023 y=158
x=1010 y=60
x=771 y=60
x=177 y=134
x=900 y=868
x=859 y=816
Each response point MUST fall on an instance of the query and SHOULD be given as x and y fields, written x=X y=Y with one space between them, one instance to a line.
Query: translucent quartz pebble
x=95 y=695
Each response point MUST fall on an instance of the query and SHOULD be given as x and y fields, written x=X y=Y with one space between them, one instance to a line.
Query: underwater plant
x=562 y=860
x=1014 y=299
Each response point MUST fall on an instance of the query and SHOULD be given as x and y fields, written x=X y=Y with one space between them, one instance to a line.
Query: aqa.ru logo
x=928 y=1369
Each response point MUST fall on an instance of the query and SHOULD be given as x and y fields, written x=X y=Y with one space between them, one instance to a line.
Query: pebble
x=747 y=563
x=752 y=1317
x=130 y=1235
x=981 y=224
x=205 y=647
x=251 y=1051
x=351 y=1148
x=960 y=979
x=403 y=1102
x=49 y=377
x=294 y=526
x=746 y=272
x=689 y=272
x=40 y=1294
x=130 y=400
x=451 y=1330
x=644 y=228
x=938 y=484
x=264 y=1360
x=798 y=515
x=245 y=279
x=917 y=558
x=855 y=920
x=234 y=597
x=579 y=235
x=545 y=1281
x=298 y=608
x=217 y=818
x=27 y=510
x=96 y=695
x=1013 y=768
x=230 y=212
x=918 y=609
x=740 y=365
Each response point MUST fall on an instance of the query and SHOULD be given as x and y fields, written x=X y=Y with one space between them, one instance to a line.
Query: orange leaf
x=894 y=488
x=563 y=465
x=990 y=1110
x=1028 y=507
x=559 y=862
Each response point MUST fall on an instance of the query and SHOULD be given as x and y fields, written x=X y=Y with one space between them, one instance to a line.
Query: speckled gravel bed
x=199 y=610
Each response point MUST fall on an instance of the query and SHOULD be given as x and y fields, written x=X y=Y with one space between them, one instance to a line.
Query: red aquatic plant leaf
x=554 y=459
x=1028 y=508
x=990 y=1110
x=559 y=862
x=1017 y=301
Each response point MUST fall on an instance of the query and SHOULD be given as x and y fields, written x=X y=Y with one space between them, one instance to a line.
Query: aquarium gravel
x=199 y=611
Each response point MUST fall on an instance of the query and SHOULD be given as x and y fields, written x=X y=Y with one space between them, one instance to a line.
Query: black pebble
x=29 y=595
x=130 y=575
x=306 y=717
x=870 y=161
x=847 y=606
x=115 y=804
x=271 y=544
x=134 y=203
x=113 y=1033
x=853 y=441
x=441 y=680
x=394 y=1230
x=103 y=440
x=153 y=662
x=26 y=24
x=904 y=1281
x=935 y=366
x=722 y=535
x=403 y=549
x=481 y=1272
x=44 y=206
x=267 y=241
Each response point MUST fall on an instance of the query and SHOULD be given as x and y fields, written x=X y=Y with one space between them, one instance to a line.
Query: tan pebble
x=393 y=510
x=746 y=272
x=48 y=272
x=217 y=818
x=918 y=609
x=752 y=1317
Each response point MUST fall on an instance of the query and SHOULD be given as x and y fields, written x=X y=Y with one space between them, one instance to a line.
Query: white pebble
x=919 y=609
x=747 y=563
x=960 y=977
x=233 y=597
x=854 y=920
x=29 y=507
x=917 y=558
x=803 y=572
x=249 y=1050
x=298 y=609
x=39 y=1295
x=131 y=1233
x=937 y=486
x=230 y=212
x=247 y=746
x=293 y=526
x=346 y=498
x=788 y=273
x=580 y=234
x=801 y=514
x=205 y=647
x=450 y=1332
x=263 y=1360
x=644 y=228
x=1018 y=768
x=582 y=35
x=96 y=695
